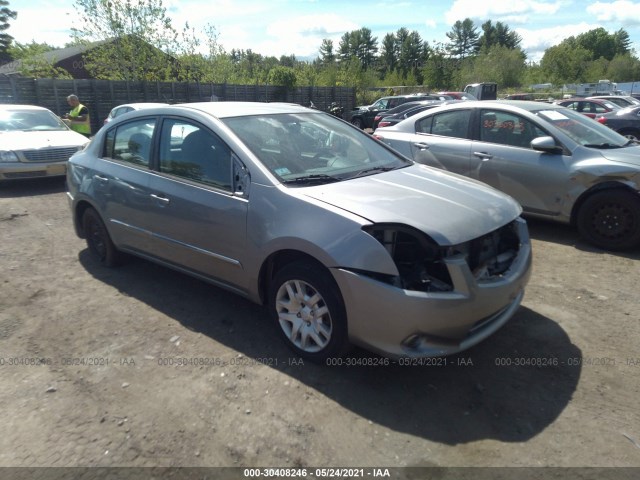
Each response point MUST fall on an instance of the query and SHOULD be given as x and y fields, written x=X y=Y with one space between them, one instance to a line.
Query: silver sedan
x=559 y=164
x=341 y=238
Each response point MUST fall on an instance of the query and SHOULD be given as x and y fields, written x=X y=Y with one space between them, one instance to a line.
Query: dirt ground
x=143 y=366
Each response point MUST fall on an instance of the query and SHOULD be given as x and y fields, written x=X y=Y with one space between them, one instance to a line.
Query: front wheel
x=631 y=134
x=309 y=312
x=98 y=239
x=611 y=219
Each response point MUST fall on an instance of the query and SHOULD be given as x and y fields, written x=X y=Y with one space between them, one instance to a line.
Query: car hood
x=629 y=155
x=451 y=209
x=40 y=139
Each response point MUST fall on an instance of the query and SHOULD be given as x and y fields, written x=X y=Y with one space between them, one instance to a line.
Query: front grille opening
x=418 y=259
x=49 y=154
x=491 y=255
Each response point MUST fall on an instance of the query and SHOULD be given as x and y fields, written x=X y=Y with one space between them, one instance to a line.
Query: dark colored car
x=625 y=121
x=591 y=108
x=410 y=112
x=362 y=117
x=407 y=106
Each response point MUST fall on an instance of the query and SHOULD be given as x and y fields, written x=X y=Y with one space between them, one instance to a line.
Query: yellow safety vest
x=80 y=126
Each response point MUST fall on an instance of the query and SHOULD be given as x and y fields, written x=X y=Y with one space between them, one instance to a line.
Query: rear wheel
x=98 y=239
x=611 y=219
x=357 y=122
x=309 y=312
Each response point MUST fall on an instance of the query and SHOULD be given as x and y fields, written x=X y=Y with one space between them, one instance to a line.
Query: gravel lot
x=142 y=366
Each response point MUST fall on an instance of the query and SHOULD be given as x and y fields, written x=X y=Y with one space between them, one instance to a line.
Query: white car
x=130 y=107
x=34 y=142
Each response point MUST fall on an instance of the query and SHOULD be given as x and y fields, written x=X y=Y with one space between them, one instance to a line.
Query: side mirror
x=241 y=178
x=545 y=144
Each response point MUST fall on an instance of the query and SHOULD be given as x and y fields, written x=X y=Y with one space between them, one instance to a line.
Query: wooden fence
x=100 y=96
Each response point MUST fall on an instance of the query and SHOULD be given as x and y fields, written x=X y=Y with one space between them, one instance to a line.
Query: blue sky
x=285 y=27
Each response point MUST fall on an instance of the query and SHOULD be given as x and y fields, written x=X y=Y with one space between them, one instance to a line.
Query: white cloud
x=535 y=42
x=622 y=12
x=303 y=35
x=500 y=9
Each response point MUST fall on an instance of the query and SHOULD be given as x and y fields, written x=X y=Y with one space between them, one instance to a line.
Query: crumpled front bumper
x=403 y=323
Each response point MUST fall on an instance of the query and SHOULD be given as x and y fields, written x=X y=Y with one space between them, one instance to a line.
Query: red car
x=589 y=107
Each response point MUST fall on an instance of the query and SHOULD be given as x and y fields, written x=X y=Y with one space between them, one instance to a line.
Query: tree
x=359 y=44
x=500 y=64
x=327 y=54
x=440 y=69
x=498 y=34
x=598 y=42
x=566 y=62
x=464 y=38
x=388 y=59
x=5 y=38
x=136 y=37
x=623 y=68
x=413 y=53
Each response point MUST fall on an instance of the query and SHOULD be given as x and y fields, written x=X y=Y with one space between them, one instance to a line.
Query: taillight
x=377 y=118
x=384 y=124
x=602 y=120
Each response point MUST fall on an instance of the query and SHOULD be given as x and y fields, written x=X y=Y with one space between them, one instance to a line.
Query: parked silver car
x=559 y=164
x=342 y=238
x=34 y=142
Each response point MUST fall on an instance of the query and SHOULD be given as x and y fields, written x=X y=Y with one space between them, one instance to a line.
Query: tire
x=611 y=219
x=308 y=311
x=357 y=122
x=98 y=239
x=631 y=134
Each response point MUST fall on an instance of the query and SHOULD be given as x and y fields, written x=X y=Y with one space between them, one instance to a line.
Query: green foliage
x=565 y=63
x=25 y=50
x=464 y=39
x=37 y=66
x=282 y=76
x=5 y=39
x=135 y=40
x=623 y=68
x=136 y=35
x=499 y=64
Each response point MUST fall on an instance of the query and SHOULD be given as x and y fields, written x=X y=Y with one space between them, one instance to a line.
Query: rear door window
x=131 y=142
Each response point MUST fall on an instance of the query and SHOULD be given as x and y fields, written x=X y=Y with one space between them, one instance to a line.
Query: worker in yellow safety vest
x=78 y=118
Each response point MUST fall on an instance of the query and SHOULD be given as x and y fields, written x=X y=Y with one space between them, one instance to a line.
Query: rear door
x=121 y=186
x=442 y=140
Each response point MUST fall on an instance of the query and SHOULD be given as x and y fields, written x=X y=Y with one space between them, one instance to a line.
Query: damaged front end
x=423 y=265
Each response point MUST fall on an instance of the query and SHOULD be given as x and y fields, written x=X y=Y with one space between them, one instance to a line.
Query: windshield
x=582 y=129
x=309 y=148
x=29 y=121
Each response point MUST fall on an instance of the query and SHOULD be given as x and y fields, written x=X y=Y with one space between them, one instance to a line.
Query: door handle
x=484 y=156
x=162 y=201
x=421 y=145
x=101 y=179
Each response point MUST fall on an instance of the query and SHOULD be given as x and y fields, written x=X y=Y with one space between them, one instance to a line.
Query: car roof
x=142 y=104
x=514 y=105
x=22 y=107
x=239 y=109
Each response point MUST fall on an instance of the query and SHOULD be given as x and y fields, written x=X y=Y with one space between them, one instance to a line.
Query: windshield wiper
x=602 y=146
x=315 y=178
x=371 y=170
